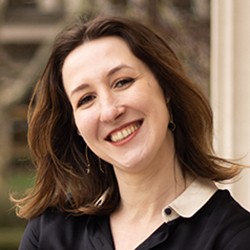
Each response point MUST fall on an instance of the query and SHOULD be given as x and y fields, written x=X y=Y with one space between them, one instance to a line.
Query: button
x=168 y=211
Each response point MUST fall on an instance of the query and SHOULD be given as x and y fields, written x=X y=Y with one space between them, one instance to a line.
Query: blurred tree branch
x=184 y=22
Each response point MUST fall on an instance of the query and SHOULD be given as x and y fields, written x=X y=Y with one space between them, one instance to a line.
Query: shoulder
x=50 y=228
x=229 y=220
x=52 y=218
x=220 y=224
x=224 y=206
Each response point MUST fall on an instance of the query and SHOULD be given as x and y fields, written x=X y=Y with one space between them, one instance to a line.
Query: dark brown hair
x=58 y=150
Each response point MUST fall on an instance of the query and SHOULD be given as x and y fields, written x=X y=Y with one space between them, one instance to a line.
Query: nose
x=110 y=110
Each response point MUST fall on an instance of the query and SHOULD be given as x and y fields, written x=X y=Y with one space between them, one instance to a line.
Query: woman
x=122 y=141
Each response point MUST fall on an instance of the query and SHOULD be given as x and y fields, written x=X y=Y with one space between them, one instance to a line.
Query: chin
x=131 y=166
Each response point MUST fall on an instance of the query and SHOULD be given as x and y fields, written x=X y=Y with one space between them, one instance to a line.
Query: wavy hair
x=58 y=151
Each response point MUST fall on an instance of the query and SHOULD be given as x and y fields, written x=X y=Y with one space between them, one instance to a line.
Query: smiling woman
x=122 y=142
x=113 y=111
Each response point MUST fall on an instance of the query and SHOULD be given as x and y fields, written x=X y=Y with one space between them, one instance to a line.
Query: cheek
x=86 y=123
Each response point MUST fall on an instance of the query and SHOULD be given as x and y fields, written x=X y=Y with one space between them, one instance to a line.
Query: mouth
x=125 y=132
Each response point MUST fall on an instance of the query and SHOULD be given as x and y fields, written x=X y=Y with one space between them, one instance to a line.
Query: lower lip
x=127 y=139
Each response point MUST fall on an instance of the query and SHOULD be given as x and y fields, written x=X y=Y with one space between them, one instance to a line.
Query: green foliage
x=10 y=238
x=12 y=227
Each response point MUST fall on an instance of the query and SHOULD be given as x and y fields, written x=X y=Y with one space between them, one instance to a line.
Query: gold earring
x=100 y=165
x=87 y=160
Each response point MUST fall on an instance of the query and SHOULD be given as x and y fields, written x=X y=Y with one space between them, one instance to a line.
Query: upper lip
x=122 y=127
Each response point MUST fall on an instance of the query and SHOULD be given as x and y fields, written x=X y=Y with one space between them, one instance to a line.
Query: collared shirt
x=201 y=218
x=190 y=201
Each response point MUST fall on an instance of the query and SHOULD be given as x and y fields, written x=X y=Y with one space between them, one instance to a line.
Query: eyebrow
x=118 y=68
x=110 y=73
x=78 y=88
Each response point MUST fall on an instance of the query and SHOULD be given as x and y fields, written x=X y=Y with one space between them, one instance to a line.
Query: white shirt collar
x=190 y=201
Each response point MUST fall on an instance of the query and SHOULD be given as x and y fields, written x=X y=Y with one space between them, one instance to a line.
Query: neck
x=149 y=192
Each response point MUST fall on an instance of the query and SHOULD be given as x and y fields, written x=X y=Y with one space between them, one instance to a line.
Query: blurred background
x=210 y=37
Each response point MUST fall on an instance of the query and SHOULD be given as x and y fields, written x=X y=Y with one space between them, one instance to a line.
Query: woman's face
x=118 y=105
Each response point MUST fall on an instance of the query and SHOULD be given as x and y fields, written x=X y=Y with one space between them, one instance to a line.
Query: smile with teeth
x=124 y=133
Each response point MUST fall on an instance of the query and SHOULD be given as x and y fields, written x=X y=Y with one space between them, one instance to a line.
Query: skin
x=112 y=91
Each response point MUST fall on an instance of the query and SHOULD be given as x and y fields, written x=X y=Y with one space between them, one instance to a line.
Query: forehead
x=93 y=61
x=92 y=58
x=94 y=50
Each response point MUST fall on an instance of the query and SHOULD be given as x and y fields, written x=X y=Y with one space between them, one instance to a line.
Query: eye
x=123 y=82
x=85 y=100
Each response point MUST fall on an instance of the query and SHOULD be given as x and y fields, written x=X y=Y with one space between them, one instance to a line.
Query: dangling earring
x=171 y=126
x=87 y=160
x=100 y=165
